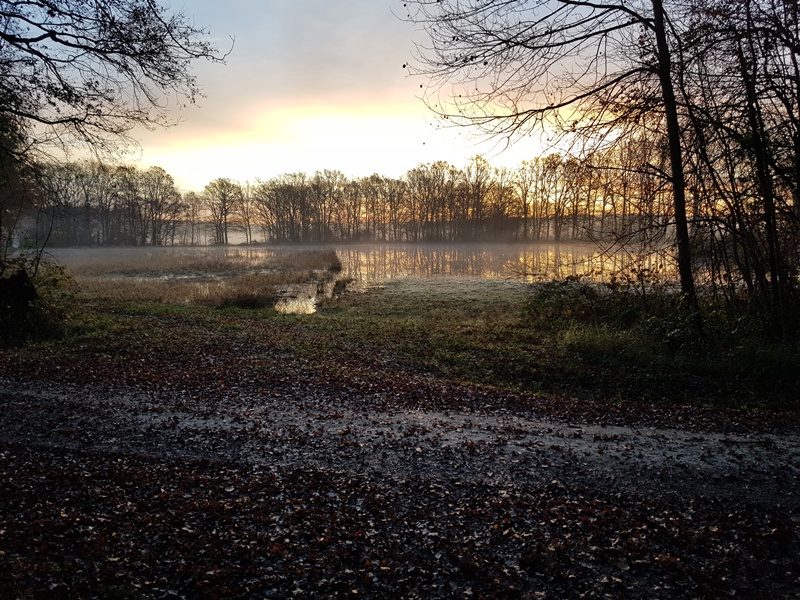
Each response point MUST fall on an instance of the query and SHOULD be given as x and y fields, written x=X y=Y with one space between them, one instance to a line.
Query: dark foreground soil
x=304 y=485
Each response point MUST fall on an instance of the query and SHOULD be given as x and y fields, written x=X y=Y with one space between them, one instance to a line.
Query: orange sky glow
x=307 y=86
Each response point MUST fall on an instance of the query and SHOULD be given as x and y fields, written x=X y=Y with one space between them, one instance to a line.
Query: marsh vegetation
x=210 y=276
x=538 y=318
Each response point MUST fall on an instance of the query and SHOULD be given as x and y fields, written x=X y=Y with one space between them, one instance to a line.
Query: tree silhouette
x=221 y=196
x=512 y=67
x=87 y=72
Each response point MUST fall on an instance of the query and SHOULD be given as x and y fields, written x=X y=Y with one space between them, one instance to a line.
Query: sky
x=308 y=85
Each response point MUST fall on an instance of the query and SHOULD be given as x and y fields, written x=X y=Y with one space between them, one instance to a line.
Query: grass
x=199 y=261
x=235 y=278
x=571 y=339
x=561 y=337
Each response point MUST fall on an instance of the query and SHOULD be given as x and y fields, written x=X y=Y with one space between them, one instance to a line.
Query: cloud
x=309 y=85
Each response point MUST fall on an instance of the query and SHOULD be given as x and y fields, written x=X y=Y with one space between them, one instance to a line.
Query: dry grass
x=322 y=259
x=141 y=261
x=220 y=277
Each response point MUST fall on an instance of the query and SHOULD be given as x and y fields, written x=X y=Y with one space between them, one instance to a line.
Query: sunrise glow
x=306 y=90
x=358 y=140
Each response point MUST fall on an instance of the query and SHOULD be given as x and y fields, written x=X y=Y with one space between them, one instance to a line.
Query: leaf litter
x=218 y=473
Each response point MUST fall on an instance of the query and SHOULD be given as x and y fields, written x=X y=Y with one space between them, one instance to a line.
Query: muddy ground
x=344 y=487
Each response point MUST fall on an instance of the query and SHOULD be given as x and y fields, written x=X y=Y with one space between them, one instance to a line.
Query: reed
x=216 y=277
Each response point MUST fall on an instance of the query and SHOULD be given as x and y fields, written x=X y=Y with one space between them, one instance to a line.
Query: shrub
x=34 y=300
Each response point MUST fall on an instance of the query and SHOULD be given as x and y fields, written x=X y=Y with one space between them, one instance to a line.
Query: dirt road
x=312 y=490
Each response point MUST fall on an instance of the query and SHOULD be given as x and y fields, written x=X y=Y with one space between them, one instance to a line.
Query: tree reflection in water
x=530 y=262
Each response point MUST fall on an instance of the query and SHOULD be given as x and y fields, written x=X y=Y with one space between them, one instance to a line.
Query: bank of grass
x=565 y=337
x=200 y=261
x=573 y=338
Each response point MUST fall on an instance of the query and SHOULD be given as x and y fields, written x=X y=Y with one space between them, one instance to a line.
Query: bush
x=612 y=341
x=34 y=301
x=555 y=304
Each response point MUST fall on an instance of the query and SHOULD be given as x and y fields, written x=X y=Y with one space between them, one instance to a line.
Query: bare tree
x=246 y=212
x=741 y=88
x=162 y=204
x=513 y=67
x=502 y=222
x=477 y=182
x=192 y=204
x=222 y=196
x=396 y=191
x=74 y=71
x=373 y=189
x=327 y=191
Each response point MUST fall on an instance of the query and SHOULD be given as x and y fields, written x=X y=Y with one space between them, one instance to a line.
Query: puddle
x=302 y=299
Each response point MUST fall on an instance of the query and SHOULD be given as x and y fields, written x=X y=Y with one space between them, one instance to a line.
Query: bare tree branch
x=81 y=72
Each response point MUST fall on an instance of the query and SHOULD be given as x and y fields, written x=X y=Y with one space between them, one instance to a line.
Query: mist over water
x=372 y=263
x=528 y=262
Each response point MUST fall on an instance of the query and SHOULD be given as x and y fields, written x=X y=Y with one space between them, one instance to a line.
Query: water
x=372 y=263
x=363 y=266
x=527 y=262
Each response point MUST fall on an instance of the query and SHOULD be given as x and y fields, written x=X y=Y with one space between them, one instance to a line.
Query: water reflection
x=529 y=262
x=382 y=262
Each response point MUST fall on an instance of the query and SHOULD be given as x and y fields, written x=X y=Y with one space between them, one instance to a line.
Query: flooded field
x=293 y=279
x=372 y=263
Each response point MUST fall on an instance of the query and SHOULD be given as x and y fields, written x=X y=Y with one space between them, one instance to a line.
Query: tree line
x=554 y=198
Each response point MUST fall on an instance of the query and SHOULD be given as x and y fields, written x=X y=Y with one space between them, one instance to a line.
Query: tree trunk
x=759 y=144
x=676 y=158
